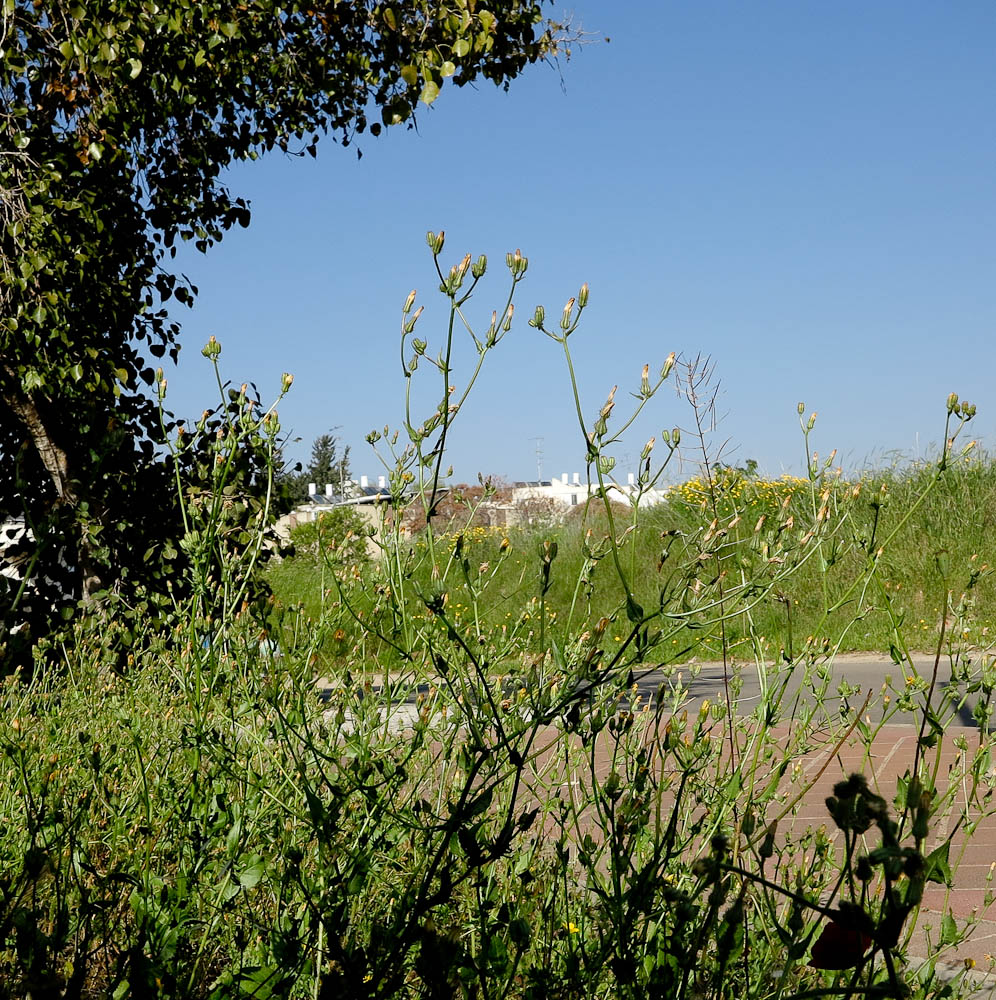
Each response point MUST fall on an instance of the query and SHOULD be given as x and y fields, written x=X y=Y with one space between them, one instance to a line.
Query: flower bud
x=464 y=265
x=645 y=381
x=811 y=423
x=668 y=365
x=952 y=402
x=676 y=436
x=507 y=325
x=647 y=449
x=286 y=381
x=480 y=266
x=767 y=847
x=538 y=317
x=583 y=296
x=516 y=263
x=801 y=409
x=409 y=302
x=565 y=320
x=410 y=324
x=435 y=241
x=212 y=348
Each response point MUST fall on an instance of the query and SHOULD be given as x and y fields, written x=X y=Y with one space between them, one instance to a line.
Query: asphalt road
x=861 y=671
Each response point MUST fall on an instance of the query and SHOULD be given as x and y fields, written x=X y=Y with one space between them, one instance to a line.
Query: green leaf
x=410 y=75
x=481 y=804
x=135 y=67
x=233 y=837
x=949 y=929
x=429 y=92
x=461 y=47
x=447 y=69
x=252 y=874
x=260 y=982
x=558 y=655
x=76 y=371
x=938 y=865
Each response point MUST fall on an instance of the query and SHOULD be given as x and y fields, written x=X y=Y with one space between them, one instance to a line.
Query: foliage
x=340 y=534
x=468 y=808
x=117 y=122
x=200 y=527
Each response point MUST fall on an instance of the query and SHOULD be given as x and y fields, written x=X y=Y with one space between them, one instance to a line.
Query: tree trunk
x=56 y=464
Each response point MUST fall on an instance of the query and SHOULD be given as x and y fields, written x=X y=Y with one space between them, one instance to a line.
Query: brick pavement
x=890 y=757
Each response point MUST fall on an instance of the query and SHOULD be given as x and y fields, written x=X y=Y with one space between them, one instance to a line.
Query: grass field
x=921 y=574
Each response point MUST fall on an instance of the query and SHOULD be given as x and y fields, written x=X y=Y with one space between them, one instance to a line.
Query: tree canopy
x=117 y=120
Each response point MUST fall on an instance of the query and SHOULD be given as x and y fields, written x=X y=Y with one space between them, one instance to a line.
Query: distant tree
x=746 y=471
x=325 y=466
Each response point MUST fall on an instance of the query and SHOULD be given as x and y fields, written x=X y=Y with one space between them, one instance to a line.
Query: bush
x=340 y=533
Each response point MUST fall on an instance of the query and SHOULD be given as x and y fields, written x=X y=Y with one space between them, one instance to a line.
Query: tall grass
x=480 y=803
x=946 y=540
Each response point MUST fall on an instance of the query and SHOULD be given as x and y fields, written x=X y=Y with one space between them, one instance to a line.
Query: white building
x=570 y=491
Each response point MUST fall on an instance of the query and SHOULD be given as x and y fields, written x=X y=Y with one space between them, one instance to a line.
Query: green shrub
x=340 y=533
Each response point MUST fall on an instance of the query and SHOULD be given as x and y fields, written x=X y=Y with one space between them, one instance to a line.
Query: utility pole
x=539 y=458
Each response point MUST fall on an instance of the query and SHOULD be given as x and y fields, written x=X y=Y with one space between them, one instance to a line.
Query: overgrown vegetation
x=477 y=803
x=117 y=123
x=949 y=528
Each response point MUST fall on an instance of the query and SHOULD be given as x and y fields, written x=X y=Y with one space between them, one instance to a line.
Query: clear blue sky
x=802 y=190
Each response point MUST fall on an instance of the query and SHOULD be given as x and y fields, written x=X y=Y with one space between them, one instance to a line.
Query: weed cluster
x=447 y=782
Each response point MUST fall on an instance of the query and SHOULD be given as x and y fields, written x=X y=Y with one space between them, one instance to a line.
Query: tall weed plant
x=406 y=794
